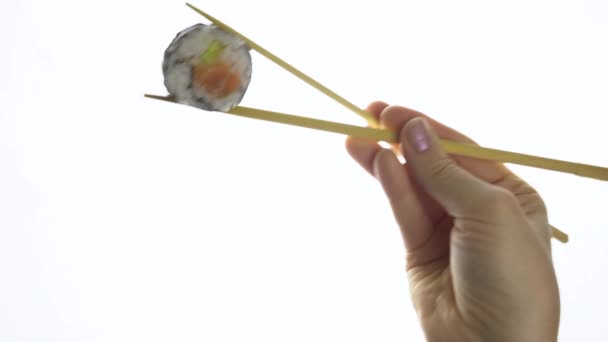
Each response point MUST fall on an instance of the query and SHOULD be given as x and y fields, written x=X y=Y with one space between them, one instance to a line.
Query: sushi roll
x=207 y=68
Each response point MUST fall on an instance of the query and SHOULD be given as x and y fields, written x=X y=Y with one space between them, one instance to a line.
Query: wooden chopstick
x=462 y=149
x=559 y=235
x=475 y=151
x=373 y=134
x=278 y=61
x=451 y=147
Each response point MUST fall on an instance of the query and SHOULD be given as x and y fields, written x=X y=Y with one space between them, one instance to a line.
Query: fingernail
x=418 y=136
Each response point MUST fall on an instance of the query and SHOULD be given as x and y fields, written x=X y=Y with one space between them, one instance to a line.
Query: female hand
x=477 y=236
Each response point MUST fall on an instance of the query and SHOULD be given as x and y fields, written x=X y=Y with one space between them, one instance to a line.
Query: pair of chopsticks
x=378 y=134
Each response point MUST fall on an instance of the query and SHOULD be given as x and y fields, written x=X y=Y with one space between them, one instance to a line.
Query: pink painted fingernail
x=418 y=136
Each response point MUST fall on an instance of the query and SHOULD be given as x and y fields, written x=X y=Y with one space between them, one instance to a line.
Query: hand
x=477 y=236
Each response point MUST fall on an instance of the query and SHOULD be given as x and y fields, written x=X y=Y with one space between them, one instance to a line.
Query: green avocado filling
x=213 y=52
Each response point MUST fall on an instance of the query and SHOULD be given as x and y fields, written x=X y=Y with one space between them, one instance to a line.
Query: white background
x=126 y=219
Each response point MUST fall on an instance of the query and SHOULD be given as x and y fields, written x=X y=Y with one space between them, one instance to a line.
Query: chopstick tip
x=168 y=98
x=193 y=7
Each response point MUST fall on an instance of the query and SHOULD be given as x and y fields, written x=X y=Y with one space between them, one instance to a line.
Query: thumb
x=459 y=192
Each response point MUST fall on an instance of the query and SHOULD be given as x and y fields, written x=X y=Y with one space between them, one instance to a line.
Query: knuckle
x=443 y=169
x=499 y=202
x=532 y=204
